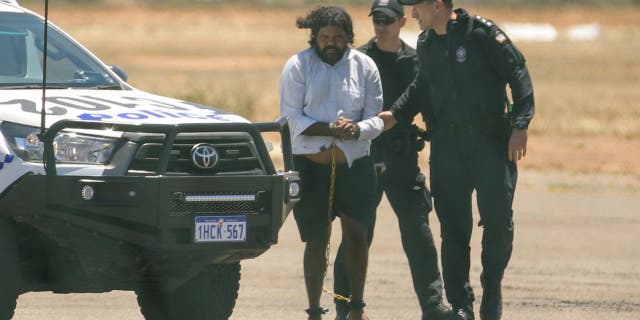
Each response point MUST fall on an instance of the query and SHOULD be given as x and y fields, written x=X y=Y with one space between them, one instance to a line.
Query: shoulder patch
x=485 y=21
x=500 y=37
x=492 y=29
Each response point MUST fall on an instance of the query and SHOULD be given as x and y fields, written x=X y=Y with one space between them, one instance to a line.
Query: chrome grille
x=237 y=156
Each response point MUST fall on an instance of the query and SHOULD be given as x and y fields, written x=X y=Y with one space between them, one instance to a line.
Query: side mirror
x=120 y=72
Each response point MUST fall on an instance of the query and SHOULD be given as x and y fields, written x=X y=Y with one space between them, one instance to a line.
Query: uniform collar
x=373 y=45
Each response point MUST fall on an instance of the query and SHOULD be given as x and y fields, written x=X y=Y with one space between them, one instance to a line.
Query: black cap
x=409 y=2
x=391 y=8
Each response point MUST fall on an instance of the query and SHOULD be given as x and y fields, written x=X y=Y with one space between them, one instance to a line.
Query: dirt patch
x=575 y=258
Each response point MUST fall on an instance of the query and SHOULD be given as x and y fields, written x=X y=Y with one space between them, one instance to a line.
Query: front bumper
x=149 y=213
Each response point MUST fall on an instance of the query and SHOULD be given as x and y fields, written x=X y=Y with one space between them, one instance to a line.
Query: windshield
x=68 y=66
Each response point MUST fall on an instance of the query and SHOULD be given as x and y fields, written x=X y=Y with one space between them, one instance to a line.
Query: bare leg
x=354 y=235
x=315 y=266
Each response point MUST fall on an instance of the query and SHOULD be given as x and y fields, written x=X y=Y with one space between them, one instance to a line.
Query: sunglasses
x=383 y=20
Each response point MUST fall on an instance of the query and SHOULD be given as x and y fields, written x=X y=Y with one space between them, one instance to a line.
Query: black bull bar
x=55 y=209
x=171 y=131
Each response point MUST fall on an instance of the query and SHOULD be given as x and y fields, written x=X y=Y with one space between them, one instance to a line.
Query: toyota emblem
x=204 y=156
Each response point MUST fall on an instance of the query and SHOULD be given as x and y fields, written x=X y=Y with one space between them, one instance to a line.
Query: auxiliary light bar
x=219 y=198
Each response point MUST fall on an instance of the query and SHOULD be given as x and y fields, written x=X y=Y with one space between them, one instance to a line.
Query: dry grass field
x=588 y=102
x=576 y=250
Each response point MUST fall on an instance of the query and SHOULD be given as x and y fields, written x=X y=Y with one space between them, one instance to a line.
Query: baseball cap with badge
x=390 y=8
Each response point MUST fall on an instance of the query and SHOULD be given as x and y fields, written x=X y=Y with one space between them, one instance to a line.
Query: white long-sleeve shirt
x=313 y=91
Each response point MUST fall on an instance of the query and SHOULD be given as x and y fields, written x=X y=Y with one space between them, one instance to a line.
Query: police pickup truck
x=104 y=187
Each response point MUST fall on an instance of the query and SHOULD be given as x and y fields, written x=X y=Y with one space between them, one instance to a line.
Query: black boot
x=462 y=313
x=491 y=306
x=438 y=312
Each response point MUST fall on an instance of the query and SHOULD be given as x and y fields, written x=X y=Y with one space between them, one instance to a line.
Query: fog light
x=294 y=189
x=87 y=192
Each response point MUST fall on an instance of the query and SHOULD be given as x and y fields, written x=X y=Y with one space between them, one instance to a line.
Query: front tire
x=9 y=269
x=211 y=295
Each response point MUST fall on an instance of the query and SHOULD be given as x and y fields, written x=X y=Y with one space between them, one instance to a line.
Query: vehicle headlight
x=67 y=146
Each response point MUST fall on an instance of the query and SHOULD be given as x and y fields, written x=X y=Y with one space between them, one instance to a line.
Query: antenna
x=43 y=112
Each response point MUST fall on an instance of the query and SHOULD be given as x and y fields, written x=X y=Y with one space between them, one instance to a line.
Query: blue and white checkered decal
x=5 y=159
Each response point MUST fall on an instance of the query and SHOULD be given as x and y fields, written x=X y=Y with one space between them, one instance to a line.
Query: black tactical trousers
x=411 y=202
x=464 y=159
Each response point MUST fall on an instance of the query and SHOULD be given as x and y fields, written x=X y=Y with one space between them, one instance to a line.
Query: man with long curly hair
x=330 y=95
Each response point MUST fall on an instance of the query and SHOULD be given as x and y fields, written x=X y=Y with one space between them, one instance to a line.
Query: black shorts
x=354 y=194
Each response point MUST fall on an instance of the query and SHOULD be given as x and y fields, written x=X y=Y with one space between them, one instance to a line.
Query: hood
x=119 y=106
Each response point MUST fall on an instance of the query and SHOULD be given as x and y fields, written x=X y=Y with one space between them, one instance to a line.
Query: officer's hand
x=517 y=144
x=389 y=120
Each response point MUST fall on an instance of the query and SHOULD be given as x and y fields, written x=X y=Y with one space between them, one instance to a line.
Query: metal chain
x=332 y=186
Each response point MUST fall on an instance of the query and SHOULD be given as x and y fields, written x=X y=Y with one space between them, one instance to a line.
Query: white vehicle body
x=128 y=105
x=107 y=187
x=122 y=106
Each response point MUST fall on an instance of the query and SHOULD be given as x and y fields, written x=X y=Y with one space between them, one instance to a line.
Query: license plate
x=221 y=229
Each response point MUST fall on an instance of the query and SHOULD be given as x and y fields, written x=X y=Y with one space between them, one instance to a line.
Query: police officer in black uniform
x=466 y=62
x=395 y=153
